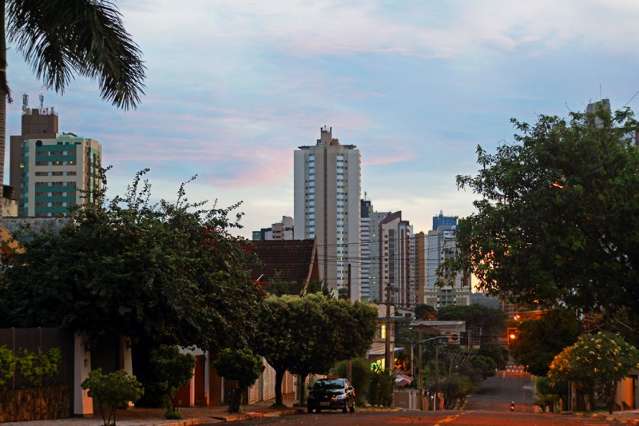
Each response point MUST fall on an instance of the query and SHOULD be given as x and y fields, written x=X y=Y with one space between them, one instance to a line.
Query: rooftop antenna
x=25 y=102
x=41 y=101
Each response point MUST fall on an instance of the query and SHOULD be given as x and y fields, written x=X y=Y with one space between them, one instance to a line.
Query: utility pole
x=388 y=358
x=420 y=377
x=436 y=376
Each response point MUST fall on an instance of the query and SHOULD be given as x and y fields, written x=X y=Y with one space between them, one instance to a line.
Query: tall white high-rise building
x=327 y=208
x=441 y=244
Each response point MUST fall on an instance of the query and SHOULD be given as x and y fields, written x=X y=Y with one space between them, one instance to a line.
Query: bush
x=455 y=388
x=171 y=369
x=35 y=367
x=241 y=366
x=380 y=391
x=112 y=391
x=7 y=366
x=361 y=376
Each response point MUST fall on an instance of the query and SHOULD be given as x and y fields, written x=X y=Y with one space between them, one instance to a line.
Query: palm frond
x=62 y=38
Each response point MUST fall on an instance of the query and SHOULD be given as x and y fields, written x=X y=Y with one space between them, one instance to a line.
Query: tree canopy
x=165 y=273
x=309 y=334
x=557 y=218
x=490 y=321
x=538 y=341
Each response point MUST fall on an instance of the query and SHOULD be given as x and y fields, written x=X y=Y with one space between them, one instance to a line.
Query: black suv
x=331 y=394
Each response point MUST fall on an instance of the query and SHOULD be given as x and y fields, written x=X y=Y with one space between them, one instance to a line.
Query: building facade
x=35 y=123
x=419 y=262
x=370 y=254
x=327 y=190
x=441 y=245
x=58 y=174
x=395 y=261
x=283 y=230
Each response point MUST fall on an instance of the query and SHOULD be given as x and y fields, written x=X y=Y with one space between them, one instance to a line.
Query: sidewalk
x=629 y=417
x=191 y=416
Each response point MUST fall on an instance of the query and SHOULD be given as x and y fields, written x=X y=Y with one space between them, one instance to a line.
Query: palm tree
x=64 y=38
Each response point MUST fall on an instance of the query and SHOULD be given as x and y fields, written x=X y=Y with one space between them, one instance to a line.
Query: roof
x=293 y=260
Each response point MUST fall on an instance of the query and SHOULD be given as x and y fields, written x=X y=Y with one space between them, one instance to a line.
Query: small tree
x=171 y=369
x=112 y=391
x=241 y=366
x=596 y=362
x=425 y=312
x=36 y=367
x=361 y=376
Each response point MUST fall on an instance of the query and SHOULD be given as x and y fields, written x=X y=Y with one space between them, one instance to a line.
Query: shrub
x=171 y=369
x=112 y=391
x=241 y=366
x=36 y=367
x=361 y=376
x=7 y=366
x=380 y=391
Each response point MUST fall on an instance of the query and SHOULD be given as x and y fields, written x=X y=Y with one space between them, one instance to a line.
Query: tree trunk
x=4 y=92
x=279 y=376
x=301 y=379
x=612 y=391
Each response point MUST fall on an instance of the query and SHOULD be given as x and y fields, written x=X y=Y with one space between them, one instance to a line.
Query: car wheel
x=352 y=407
x=309 y=409
x=345 y=408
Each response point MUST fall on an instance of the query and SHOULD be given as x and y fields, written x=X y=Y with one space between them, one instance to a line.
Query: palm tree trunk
x=4 y=91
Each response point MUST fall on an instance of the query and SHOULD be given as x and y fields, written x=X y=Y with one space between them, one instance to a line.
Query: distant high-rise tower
x=58 y=174
x=370 y=235
x=395 y=242
x=36 y=123
x=327 y=208
x=441 y=245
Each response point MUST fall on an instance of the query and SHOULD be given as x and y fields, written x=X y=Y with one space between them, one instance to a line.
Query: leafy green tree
x=112 y=391
x=425 y=312
x=498 y=353
x=62 y=39
x=556 y=212
x=161 y=273
x=309 y=334
x=171 y=369
x=482 y=320
x=538 y=341
x=595 y=362
x=241 y=366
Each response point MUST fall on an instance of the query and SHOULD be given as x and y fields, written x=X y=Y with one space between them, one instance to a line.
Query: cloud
x=329 y=27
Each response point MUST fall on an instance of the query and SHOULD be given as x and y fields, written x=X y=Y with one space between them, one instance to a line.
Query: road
x=496 y=394
x=489 y=406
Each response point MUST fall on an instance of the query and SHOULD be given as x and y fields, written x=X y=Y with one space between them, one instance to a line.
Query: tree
x=241 y=366
x=112 y=391
x=538 y=341
x=556 y=216
x=64 y=38
x=425 y=312
x=361 y=376
x=309 y=334
x=595 y=362
x=171 y=370
x=482 y=320
x=166 y=273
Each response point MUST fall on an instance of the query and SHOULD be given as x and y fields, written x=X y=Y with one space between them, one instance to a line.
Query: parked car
x=331 y=394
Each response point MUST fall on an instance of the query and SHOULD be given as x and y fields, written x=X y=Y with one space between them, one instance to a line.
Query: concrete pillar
x=207 y=377
x=126 y=357
x=192 y=390
x=82 y=403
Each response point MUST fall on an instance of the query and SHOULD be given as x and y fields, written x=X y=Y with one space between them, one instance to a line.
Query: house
x=292 y=261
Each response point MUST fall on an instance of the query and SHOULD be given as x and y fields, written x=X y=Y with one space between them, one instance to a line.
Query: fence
x=18 y=402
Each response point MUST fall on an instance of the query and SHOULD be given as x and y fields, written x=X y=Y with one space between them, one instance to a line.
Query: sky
x=234 y=86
